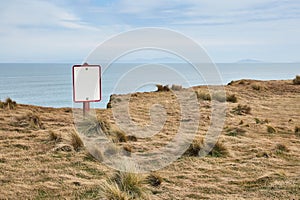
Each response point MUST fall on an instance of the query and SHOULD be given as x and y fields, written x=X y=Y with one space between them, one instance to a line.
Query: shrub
x=1 y=104
x=241 y=110
x=203 y=96
x=296 y=81
x=161 y=88
x=176 y=87
x=271 y=129
x=231 y=98
x=154 y=179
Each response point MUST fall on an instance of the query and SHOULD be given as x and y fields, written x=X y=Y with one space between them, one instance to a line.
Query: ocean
x=50 y=85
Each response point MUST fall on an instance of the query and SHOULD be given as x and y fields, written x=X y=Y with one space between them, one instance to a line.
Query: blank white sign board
x=86 y=83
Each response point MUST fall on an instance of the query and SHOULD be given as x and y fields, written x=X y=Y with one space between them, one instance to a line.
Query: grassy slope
x=255 y=168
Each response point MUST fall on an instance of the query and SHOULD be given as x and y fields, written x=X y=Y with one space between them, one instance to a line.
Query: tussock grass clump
x=203 y=96
x=111 y=190
x=194 y=148
x=91 y=126
x=258 y=121
x=176 y=87
x=297 y=130
x=76 y=141
x=231 y=98
x=54 y=136
x=8 y=104
x=271 y=129
x=256 y=86
x=30 y=120
x=241 y=110
x=118 y=135
x=219 y=150
x=154 y=179
x=280 y=148
x=162 y=88
x=235 y=132
x=132 y=138
x=296 y=81
x=131 y=184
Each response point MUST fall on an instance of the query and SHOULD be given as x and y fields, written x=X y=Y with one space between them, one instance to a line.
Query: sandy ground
x=38 y=159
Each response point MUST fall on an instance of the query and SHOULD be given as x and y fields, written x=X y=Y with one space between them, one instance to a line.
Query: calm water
x=51 y=84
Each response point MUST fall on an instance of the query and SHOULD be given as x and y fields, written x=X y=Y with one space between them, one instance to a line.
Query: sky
x=68 y=30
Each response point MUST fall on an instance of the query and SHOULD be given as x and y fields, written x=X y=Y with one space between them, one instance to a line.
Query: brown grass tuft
x=280 y=148
x=8 y=104
x=235 y=132
x=76 y=141
x=231 y=98
x=256 y=86
x=271 y=129
x=29 y=120
x=241 y=110
x=194 y=148
x=132 y=138
x=219 y=150
x=111 y=190
x=203 y=96
x=118 y=135
x=54 y=136
x=297 y=130
x=131 y=184
x=296 y=81
x=154 y=179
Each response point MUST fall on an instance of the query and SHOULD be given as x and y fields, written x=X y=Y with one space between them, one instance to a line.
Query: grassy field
x=257 y=155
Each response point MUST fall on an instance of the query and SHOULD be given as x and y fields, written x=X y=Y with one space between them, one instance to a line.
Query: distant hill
x=249 y=61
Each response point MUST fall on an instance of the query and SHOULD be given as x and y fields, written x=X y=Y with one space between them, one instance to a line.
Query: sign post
x=86 y=85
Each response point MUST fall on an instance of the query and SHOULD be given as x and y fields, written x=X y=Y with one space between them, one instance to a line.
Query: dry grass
x=118 y=135
x=256 y=86
x=281 y=148
x=231 y=98
x=130 y=183
x=271 y=129
x=76 y=141
x=203 y=96
x=8 y=104
x=30 y=169
x=110 y=190
x=241 y=110
x=296 y=81
x=194 y=148
x=297 y=130
x=236 y=131
x=29 y=120
x=154 y=179
x=219 y=150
